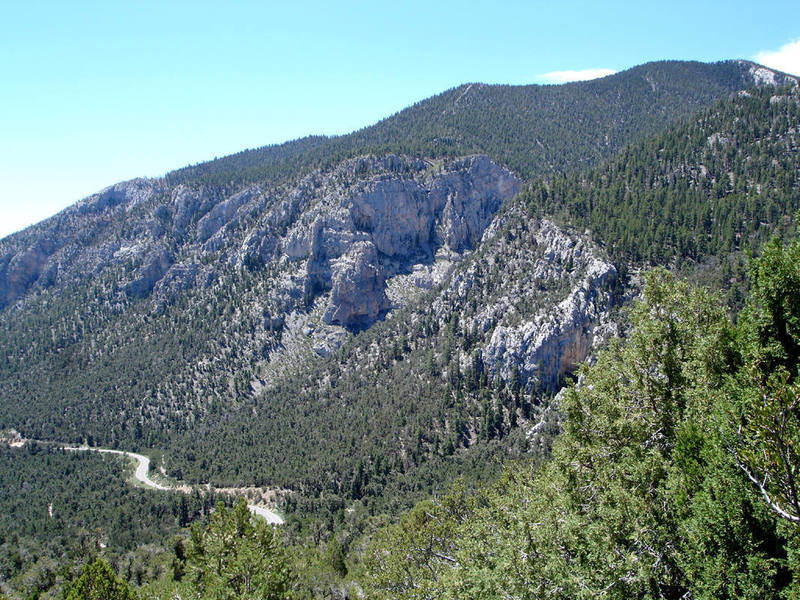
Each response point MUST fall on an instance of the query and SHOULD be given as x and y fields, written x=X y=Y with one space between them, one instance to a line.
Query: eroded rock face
x=540 y=298
x=350 y=228
x=402 y=210
x=127 y=193
x=21 y=270
x=71 y=244
x=153 y=269
x=556 y=340
x=223 y=212
x=358 y=292
x=410 y=214
x=187 y=204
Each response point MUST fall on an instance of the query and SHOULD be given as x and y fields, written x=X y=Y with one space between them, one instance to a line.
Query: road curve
x=271 y=517
x=143 y=467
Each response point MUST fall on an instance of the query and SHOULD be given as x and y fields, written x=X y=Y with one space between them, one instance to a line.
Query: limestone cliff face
x=541 y=298
x=358 y=294
x=339 y=233
x=72 y=244
x=407 y=209
x=403 y=213
x=557 y=339
x=338 y=250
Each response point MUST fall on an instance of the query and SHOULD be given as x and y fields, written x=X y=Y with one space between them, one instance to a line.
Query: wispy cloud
x=786 y=59
x=565 y=76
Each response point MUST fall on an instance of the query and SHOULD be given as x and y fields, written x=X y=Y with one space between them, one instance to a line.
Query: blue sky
x=92 y=93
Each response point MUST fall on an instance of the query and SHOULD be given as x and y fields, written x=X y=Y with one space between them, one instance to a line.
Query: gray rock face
x=358 y=294
x=403 y=217
x=154 y=268
x=541 y=295
x=409 y=215
x=339 y=233
x=556 y=340
x=187 y=204
x=65 y=247
x=223 y=212
x=21 y=270
x=128 y=194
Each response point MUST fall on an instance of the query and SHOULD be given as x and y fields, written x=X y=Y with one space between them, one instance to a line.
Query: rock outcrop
x=403 y=213
x=146 y=276
x=72 y=244
x=351 y=227
x=358 y=293
x=551 y=345
x=541 y=298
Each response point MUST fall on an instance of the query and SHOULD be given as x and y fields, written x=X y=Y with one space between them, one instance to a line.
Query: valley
x=389 y=326
x=141 y=475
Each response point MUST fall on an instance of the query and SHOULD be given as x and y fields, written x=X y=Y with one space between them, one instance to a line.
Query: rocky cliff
x=340 y=232
x=537 y=300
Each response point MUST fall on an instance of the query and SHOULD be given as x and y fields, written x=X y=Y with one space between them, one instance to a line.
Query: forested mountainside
x=713 y=186
x=675 y=475
x=514 y=318
x=533 y=129
x=361 y=332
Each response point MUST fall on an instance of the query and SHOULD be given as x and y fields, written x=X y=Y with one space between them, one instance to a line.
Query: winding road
x=143 y=467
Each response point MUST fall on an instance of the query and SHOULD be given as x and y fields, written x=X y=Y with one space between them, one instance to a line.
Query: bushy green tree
x=98 y=581
x=734 y=468
x=408 y=559
x=237 y=557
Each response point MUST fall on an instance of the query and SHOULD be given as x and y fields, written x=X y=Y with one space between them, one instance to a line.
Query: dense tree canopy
x=652 y=491
x=99 y=582
x=237 y=558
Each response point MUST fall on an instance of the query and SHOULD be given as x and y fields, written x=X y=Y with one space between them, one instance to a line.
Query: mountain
x=530 y=130
x=164 y=312
x=498 y=336
x=358 y=321
x=260 y=317
x=673 y=476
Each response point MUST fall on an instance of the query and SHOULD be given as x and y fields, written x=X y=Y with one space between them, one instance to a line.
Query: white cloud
x=787 y=59
x=565 y=76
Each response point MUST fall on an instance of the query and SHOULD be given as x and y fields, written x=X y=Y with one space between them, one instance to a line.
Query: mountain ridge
x=716 y=77
x=170 y=306
x=363 y=330
x=513 y=104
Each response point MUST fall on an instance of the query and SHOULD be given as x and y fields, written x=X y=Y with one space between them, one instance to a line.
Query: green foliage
x=729 y=546
x=764 y=415
x=407 y=559
x=59 y=509
x=712 y=186
x=734 y=462
x=235 y=557
x=644 y=496
x=771 y=322
x=98 y=582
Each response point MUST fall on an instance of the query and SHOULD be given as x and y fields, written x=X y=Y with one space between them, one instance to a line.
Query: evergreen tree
x=98 y=581
x=237 y=558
